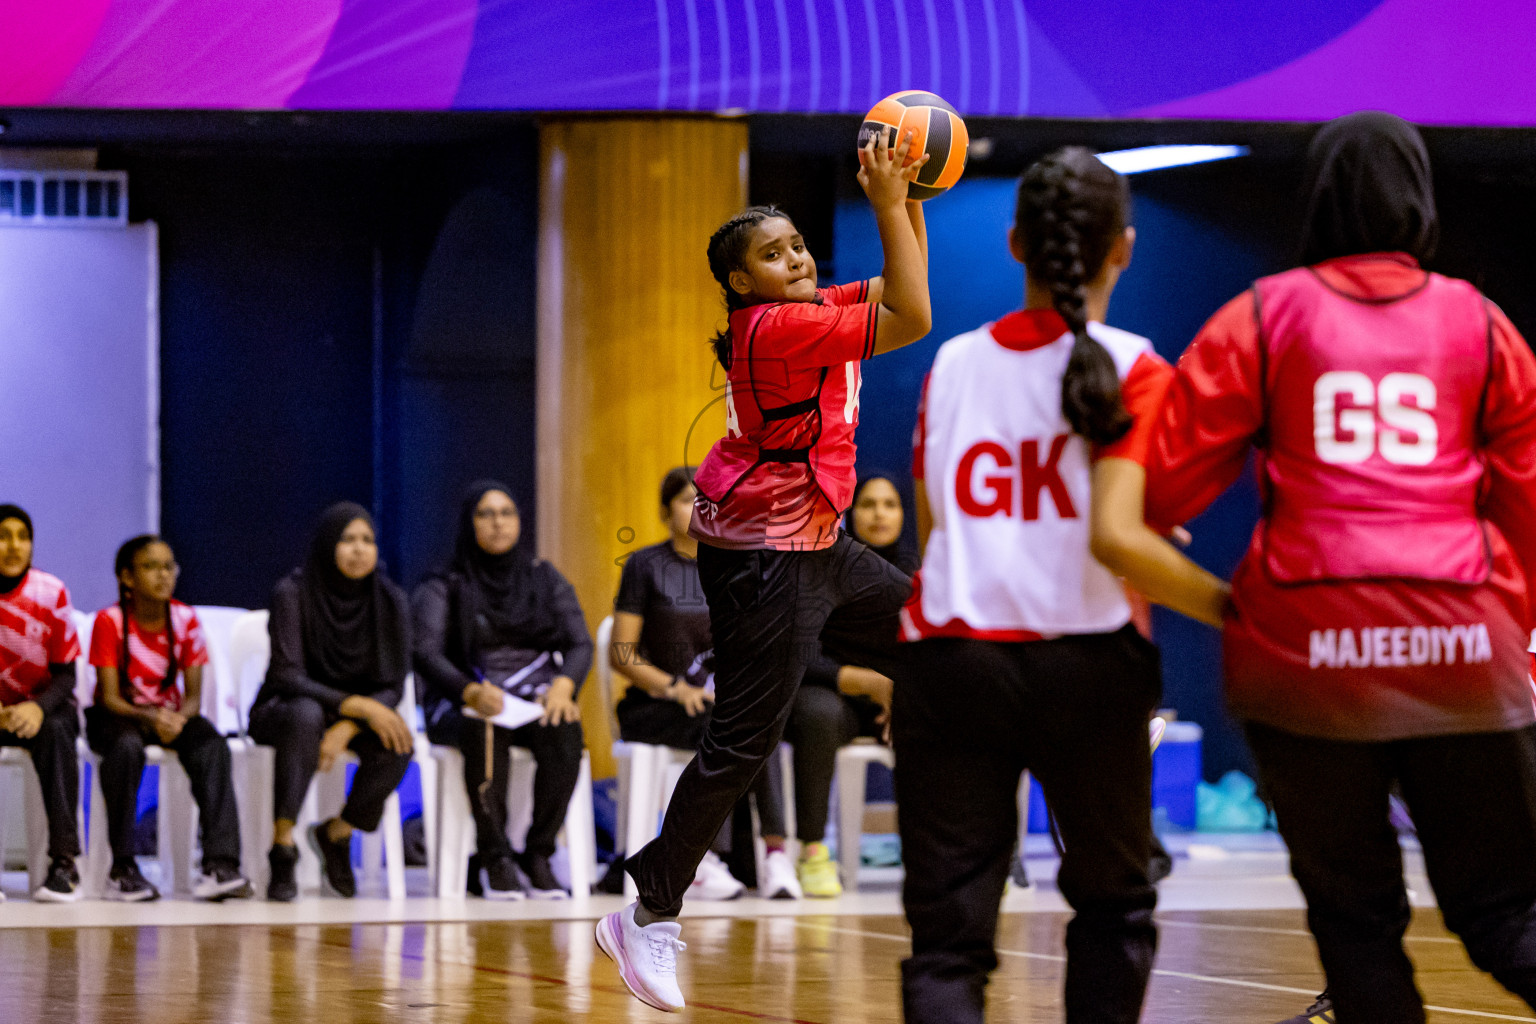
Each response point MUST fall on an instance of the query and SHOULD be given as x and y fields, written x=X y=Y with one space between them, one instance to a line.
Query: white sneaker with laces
x=714 y=881
x=779 y=881
x=646 y=957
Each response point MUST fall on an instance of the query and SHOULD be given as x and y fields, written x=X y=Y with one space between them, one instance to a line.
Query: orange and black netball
x=937 y=130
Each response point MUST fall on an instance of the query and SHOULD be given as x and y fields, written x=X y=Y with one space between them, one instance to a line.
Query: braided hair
x=124 y=563
x=727 y=253
x=1071 y=209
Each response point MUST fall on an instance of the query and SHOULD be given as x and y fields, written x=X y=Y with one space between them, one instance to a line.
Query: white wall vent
x=63 y=198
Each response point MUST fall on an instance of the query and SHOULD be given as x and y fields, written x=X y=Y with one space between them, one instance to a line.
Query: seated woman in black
x=142 y=647
x=661 y=644
x=499 y=622
x=837 y=703
x=340 y=653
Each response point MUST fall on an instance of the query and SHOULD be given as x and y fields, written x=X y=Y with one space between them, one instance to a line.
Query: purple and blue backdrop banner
x=1434 y=61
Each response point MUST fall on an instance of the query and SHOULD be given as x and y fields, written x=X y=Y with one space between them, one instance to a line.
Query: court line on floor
x=1163 y=922
x=1162 y=973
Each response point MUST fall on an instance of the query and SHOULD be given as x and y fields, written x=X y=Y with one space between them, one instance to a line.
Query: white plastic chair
x=34 y=815
x=643 y=768
x=648 y=772
x=250 y=651
x=851 y=777
x=246 y=656
x=455 y=823
x=176 y=815
x=221 y=698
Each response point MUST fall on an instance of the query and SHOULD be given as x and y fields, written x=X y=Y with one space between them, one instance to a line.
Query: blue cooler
x=1176 y=774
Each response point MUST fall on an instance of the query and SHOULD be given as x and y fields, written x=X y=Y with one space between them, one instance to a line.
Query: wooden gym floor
x=1234 y=950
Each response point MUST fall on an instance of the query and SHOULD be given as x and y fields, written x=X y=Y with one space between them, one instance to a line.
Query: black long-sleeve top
x=287 y=674
x=439 y=652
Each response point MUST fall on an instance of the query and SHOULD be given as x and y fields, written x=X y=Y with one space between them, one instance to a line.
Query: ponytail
x=1071 y=208
x=727 y=253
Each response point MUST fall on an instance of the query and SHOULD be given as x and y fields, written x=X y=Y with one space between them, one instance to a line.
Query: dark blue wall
x=337 y=323
x=1202 y=235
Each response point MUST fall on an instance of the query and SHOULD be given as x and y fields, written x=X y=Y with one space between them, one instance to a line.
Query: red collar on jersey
x=1373 y=275
x=1026 y=329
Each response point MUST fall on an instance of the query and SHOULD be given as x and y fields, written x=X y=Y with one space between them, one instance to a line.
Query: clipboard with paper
x=515 y=712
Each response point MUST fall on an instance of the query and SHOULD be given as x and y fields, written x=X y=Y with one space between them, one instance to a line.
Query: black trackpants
x=969 y=718
x=768 y=612
x=58 y=769
x=665 y=723
x=1473 y=801
x=203 y=753
x=295 y=726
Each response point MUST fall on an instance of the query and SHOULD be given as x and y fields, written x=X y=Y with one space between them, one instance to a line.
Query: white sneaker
x=647 y=957
x=714 y=881
x=779 y=881
x=223 y=883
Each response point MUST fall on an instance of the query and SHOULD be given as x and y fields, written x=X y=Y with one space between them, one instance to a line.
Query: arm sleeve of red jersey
x=920 y=432
x=106 y=643
x=194 y=646
x=806 y=334
x=64 y=643
x=1213 y=408
x=846 y=294
x=1142 y=391
x=1509 y=430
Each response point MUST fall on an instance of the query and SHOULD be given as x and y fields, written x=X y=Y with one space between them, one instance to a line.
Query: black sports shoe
x=501 y=880
x=1320 y=1012
x=282 y=886
x=62 y=884
x=542 y=884
x=126 y=885
x=222 y=881
x=335 y=860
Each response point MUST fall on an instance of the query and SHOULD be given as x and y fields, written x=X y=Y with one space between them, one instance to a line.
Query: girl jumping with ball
x=780 y=577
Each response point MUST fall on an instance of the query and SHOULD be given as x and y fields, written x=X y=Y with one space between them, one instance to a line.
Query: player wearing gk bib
x=1028 y=464
x=773 y=566
x=1380 y=618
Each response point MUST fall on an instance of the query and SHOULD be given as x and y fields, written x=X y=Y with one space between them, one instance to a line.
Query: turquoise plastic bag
x=1230 y=805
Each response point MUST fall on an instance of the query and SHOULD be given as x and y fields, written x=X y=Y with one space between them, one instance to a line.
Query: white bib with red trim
x=1008 y=483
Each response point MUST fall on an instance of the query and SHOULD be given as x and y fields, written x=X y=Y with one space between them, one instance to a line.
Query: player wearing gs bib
x=1028 y=462
x=1380 y=618
x=773 y=565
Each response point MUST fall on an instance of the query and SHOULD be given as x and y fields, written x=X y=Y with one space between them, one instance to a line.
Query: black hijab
x=1368 y=189
x=352 y=628
x=899 y=553
x=501 y=598
x=10 y=583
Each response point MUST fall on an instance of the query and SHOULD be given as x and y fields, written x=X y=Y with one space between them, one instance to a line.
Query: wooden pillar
x=627 y=383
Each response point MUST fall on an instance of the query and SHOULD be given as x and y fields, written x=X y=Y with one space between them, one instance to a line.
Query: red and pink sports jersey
x=149 y=653
x=1384 y=592
x=1009 y=484
x=783 y=475
x=37 y=629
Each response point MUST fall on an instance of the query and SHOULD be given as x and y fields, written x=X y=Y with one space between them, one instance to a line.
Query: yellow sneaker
x=818 y=872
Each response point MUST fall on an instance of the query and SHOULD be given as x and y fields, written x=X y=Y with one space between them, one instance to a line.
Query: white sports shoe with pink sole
x=646 y=957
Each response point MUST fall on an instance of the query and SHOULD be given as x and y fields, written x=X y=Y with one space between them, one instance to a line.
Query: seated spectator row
x=499 y=647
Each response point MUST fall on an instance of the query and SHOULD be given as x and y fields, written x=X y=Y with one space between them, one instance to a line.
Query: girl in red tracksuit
x=1379 y=621
x=774 y=566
